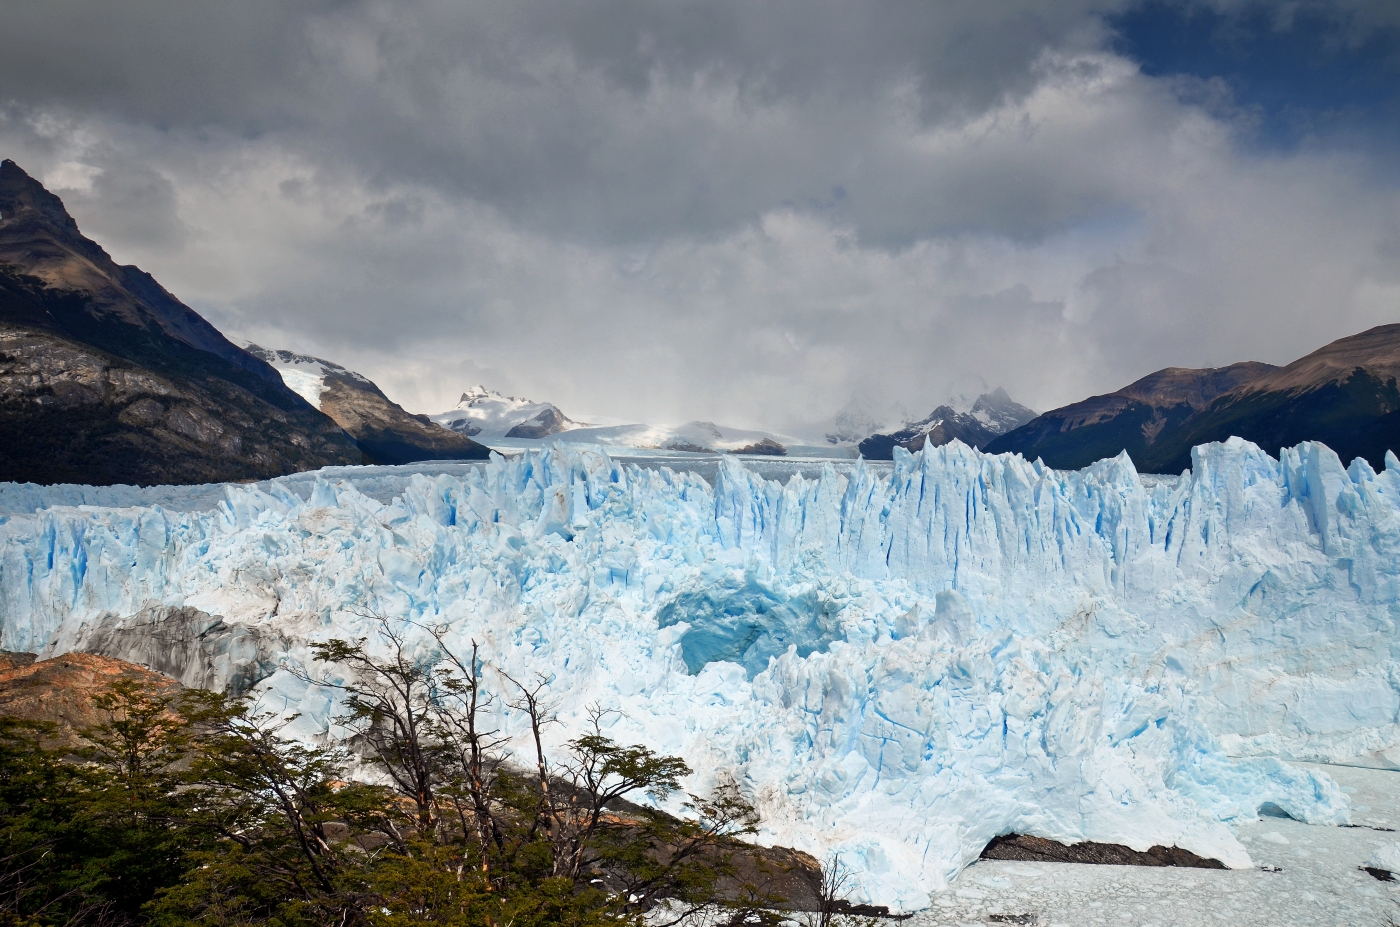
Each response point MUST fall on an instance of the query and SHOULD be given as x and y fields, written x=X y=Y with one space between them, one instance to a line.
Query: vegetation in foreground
x=193 y=809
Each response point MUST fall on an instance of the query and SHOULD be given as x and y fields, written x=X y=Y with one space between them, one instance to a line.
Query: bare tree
x=833 y=907
x=392 y=710
x=425 y=718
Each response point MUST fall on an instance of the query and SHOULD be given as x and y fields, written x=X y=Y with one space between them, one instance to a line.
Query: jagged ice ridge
x=897 y=666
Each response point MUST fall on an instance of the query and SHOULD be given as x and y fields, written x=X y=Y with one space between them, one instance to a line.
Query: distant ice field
x=895 y=663
x=384 y=483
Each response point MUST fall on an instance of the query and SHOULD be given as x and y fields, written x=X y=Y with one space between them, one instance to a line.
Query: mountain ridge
x=106 y=378
x=991 y=414
x=384 y=430
x=1345 y=395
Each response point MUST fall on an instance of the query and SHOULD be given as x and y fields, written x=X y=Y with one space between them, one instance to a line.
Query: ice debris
x=897 y=665
x=1386 y=858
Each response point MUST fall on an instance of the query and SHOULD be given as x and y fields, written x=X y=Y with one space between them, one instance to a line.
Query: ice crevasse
x=896 y=666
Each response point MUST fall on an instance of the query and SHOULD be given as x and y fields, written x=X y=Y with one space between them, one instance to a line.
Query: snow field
x=1304 y=877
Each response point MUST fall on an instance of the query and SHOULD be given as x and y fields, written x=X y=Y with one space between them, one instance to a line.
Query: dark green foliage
x=90 y=835
x=197 y=811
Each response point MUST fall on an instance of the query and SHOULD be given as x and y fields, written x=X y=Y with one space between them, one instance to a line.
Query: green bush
x=193 y=810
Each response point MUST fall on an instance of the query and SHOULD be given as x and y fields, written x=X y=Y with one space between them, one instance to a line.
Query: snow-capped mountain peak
x=485 y=412
x=478 y=394
x=976 y=424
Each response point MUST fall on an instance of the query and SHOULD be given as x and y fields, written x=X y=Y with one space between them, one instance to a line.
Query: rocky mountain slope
x=385 y=432
x=991 y=415
x=1133 y=418
x=1344 y=395
x=107 y=378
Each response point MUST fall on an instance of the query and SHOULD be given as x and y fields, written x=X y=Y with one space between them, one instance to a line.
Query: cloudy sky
x=743 y=211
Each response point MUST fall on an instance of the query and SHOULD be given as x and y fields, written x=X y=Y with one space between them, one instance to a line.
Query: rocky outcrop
x=107 y=378
x=767 y=447
x=1024 y=848
x=549 y=421
x=61 y=690
x=200 y=650
x=386 y=432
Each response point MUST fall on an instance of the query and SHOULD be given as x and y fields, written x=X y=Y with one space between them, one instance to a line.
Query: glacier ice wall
x=897 y=665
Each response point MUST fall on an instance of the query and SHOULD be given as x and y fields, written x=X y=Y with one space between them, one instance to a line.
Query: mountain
x=1343 y=395
x=489 y=414
x=486 y=412
x=855 y=422
x=384 y=431
x=107 y=378
x=1133 y=419
x=992 y=414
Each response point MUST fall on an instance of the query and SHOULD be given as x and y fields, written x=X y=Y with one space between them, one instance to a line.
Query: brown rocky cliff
x=38 y=236
x=61 y=690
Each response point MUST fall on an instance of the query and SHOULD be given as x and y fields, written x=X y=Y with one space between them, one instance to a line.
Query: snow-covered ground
x=303 y=374
x=897 y=664
x=1303 y=876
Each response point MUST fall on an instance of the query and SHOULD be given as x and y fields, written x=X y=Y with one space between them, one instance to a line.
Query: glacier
x=895 y=664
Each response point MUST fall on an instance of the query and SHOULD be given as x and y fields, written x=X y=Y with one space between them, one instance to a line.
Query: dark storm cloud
x=576 y=118
x=621 y=120
x=730 y=210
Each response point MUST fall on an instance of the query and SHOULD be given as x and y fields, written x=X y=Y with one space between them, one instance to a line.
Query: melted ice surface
x=895 y=664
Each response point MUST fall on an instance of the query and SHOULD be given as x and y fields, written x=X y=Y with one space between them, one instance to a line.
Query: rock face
x=61 y=690
x=1344 y=395
x=992 y=414
x=1039 y=850
x=765 y=448
x=199 y=650
x=107 y=378
x=548 y=421
x=385 y=432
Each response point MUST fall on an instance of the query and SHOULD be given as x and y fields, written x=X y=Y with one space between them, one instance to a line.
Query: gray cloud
x=736 y=211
